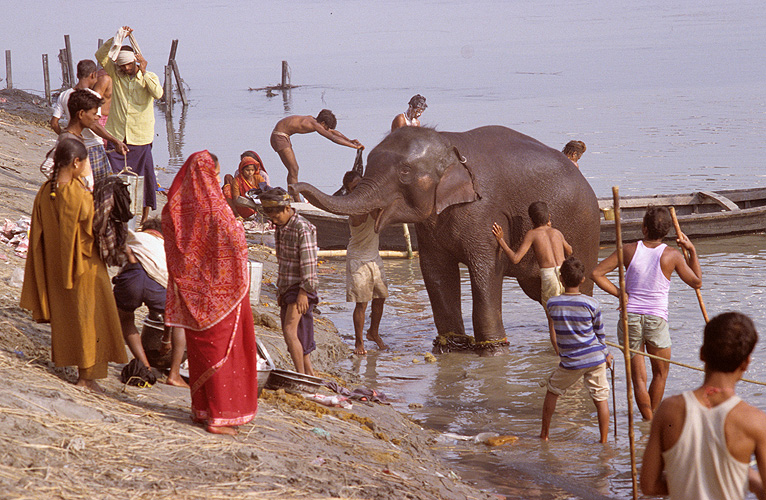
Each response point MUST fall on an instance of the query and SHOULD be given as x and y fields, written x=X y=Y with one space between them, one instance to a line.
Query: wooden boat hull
x=702 y=214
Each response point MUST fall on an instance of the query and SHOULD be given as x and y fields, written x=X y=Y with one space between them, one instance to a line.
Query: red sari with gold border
x=208 y=295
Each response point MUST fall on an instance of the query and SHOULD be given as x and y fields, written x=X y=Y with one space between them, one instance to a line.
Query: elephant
x=453 y=186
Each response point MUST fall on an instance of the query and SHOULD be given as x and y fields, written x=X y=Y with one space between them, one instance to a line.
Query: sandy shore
x=57 y=441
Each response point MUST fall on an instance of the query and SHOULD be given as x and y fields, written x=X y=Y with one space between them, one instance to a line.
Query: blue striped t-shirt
x=579 y=331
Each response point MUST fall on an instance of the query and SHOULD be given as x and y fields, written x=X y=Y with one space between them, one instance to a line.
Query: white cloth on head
x=125 y=57
x=115 y=49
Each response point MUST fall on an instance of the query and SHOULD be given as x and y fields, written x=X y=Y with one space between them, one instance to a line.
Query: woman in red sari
x=208 y=295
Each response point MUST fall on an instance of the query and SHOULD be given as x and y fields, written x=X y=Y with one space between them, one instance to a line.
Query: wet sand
x=57 y=441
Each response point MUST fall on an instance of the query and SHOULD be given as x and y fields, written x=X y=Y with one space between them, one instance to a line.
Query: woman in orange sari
x=208 y=296
x=250 y=174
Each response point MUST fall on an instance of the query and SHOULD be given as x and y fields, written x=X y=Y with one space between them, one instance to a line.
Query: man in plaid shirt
x=296 y=246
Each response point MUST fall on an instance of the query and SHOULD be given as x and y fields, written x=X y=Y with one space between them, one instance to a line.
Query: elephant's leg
x=487 y=293
x=441 y=276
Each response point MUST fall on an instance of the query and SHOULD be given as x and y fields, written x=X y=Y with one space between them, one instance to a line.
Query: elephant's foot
x=487 y=348
x=453 y=342
x=456 y=342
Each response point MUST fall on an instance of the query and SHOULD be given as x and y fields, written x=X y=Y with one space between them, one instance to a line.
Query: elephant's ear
x=456 y=185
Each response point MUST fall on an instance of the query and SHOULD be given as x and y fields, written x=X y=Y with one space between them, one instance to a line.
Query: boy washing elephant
x=550 y=251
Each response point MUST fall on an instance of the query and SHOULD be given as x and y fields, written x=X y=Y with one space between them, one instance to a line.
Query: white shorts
x=365 y=280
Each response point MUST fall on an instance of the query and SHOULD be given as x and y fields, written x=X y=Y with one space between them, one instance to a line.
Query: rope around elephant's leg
x=452 y=342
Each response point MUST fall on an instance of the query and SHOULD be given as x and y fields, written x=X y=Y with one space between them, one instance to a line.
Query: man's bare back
x=297 y=125
x=548 y=243
x=104 y=87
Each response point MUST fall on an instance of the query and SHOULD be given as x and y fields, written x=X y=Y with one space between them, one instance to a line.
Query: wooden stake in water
x=179 y=83
x=626 y=341
x=47 y=79
x=8 y=72
x=686 y=258
x=70 y=61
x=285 y=76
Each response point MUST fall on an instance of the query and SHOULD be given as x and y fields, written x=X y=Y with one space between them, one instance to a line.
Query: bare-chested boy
x=324 y=124
x=550 y=251
x=104 y=87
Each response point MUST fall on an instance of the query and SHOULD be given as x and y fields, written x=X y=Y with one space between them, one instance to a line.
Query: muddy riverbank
x=57 y=441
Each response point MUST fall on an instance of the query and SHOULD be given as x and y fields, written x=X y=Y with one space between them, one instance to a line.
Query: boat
x=701 y=214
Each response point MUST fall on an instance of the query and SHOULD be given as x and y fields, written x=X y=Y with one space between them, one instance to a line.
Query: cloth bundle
x=119 y=56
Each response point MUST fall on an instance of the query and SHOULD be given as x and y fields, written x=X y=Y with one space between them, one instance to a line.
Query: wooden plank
x=724 y=202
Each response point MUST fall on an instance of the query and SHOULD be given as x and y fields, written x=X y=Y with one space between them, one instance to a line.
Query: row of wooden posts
x=69 y=77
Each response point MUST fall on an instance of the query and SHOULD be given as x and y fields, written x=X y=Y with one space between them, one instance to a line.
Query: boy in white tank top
x=649 y=264
x=702 y=441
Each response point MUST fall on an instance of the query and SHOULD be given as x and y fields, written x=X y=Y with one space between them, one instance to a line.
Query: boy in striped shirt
x=579 y=336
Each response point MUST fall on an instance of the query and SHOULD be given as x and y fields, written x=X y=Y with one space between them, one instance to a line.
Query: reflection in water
x=465 y=394
x=175 y=139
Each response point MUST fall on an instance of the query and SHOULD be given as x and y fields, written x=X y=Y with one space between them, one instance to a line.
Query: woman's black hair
x=66 y=152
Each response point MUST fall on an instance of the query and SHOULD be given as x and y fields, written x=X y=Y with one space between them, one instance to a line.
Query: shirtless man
x=702 y=440
x=410 y=117
x=104 y=87
x=324 y=124
x=550 y=251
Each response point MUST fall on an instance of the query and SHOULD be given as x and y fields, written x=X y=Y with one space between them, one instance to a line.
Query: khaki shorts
x=550 y=285
x=365 y=280
x=645 y=328
x=594 y=377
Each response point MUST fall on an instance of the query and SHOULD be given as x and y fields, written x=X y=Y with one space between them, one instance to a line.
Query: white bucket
x=255 y=269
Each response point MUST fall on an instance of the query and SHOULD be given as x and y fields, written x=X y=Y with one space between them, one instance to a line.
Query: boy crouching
x=579 y=335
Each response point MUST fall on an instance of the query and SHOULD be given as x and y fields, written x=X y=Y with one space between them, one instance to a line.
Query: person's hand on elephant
x=498 y=232
x=357 y=144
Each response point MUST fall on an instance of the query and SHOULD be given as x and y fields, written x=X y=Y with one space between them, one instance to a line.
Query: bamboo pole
x=614 y=403
x=47 y=79
x=8 y=72
x=686 y=257
x=626 y=341
x=386 y=254
x=407 y=239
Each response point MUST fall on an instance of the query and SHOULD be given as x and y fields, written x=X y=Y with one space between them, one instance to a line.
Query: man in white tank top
x=702 y=441
x=365 y=279
x=649 y=263
x=410 y=117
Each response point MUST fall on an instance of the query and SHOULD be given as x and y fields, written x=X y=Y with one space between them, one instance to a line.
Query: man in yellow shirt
x=131 y=117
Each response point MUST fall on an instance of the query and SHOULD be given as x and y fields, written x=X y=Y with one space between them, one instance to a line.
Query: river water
x=668 y=96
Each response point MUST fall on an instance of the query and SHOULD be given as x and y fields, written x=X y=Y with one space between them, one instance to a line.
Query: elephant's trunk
x=363 y=200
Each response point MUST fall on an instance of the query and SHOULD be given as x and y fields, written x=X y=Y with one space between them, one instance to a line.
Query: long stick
x=614 y=403
x=626 y=341
x=686 y=257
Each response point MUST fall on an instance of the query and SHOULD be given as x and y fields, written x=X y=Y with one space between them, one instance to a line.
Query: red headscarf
x=205 y=248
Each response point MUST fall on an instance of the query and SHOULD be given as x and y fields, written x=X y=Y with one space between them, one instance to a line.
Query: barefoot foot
x=376 y=338
x=221 y=429
x=359 y=349
x=89 y=385
x=176 y=381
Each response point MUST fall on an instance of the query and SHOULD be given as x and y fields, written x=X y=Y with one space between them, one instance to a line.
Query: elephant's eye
x=405 y=174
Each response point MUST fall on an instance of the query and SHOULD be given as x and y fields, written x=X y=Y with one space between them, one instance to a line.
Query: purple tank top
x=646 y=284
